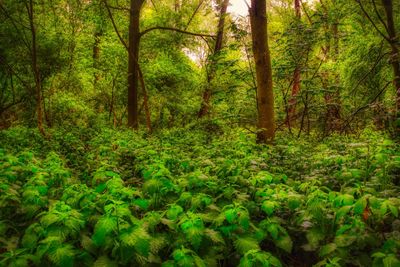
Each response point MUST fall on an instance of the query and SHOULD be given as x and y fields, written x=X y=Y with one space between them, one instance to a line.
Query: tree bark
x=296 y=77
x=395 y=57
x=262 y=58
x=35 y=69
x=205 y=105
x=133 y=72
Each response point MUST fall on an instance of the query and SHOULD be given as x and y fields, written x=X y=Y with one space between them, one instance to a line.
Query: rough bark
x=265 y=95
x=296 y=78
x=205 y=105
x=35 y=69
x=133 y=70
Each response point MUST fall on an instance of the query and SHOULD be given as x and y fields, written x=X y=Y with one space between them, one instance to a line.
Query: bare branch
x=379 y=16
x=372 y=22
x=175 y=30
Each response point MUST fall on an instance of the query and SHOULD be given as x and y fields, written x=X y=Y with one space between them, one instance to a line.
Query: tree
x=296 y=77
x=262 y=58
x=133 y=67
x=35 y=68
x=393 y=40
x=204 y=109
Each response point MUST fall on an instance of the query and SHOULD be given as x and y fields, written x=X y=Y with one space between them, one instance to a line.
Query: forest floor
x=89 y=197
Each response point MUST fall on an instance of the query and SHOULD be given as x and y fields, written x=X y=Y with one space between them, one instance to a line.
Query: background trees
x=186 y=52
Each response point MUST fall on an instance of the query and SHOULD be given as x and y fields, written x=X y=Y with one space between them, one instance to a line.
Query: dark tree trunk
x=35 y=69
x=133 y=66
x=262 y=58
x=205 y=105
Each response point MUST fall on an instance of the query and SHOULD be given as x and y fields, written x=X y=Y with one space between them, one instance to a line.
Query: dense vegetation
x=183 y=133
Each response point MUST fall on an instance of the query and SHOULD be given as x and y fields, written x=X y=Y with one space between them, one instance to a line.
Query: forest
x=200 y=133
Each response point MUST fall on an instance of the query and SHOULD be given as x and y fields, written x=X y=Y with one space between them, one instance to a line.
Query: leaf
x=394 y=210
x=344 y=240
x=174 y=211
x=294 y=202
x=244 y=244
x=268 y=207
x=391 y=261
x=359 y=206
x=285 y=243
x=327 y=249
x=347 y=200
x=230 y=215
x=342 y=212
x=104 y=261
x=214 y=236
x=62 y=255
x=104 y=226
x=273 y=229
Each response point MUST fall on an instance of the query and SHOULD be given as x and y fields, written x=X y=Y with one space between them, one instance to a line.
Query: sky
x=238 y=7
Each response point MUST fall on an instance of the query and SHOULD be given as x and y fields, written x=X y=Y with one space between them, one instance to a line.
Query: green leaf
x=231 y=215
x=327 y=249
x=342 y=212
x=174 y=211
x=394 y=210
x=360 y=206
x=104 y=261
x=268 y=207
x=285 y=243
x=62 y=255
x=391 y=261
x=103 y=227
x=244 y=244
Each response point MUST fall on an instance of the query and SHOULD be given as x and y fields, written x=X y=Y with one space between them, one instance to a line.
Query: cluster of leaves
x=115 y=198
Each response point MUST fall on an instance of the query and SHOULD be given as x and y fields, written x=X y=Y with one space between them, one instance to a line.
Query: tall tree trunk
x=296 y=77
x=205 y=105
x=262 y=58
x=35 y=69
x=395 y=56
x=133 y=66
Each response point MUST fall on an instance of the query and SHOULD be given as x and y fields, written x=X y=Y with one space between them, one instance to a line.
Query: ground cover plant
x=113 y=198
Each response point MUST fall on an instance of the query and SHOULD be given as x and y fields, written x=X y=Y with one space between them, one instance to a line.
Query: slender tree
x=35 y=67
x=296 y=77
x=262 y=58
x=205 y=105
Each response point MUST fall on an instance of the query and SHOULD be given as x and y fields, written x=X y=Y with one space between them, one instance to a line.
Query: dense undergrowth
x=180 y=198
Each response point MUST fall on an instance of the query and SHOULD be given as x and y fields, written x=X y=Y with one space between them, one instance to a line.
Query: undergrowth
x=179 y=198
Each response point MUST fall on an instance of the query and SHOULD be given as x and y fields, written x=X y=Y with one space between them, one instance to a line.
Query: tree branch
x=380 y=17
x=175 y=30
x=372 y=22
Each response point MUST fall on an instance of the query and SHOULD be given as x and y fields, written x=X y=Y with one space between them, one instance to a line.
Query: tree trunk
x=395 y=57
x=296 y=77
x=133 y=72
x=262 y=58
x=205 y=105
x=35 y=69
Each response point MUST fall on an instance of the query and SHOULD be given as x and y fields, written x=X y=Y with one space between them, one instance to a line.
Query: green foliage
x=139 y=202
